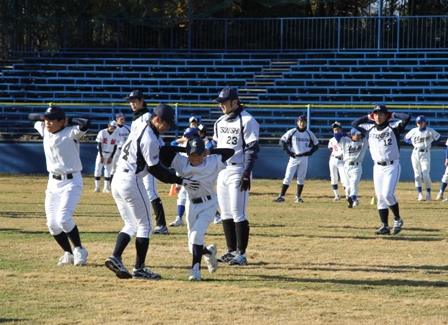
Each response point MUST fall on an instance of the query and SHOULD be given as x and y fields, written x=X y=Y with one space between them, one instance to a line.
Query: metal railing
x=387 y=33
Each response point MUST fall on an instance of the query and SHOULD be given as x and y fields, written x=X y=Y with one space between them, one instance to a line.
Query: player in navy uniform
x=383 y=136
x=61 y=145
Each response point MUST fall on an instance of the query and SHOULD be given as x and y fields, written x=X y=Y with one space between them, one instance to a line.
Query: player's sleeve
x=167 y=154
x=224 y=153
x=40 y=127
x=408 y=137
x=362 y=125
x=405 y=119
x=82 y=123
x=436 y=136
x=339 y=136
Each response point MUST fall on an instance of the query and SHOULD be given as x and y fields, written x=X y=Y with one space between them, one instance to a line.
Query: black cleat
x=350 y=202
x=384 y=230
x=397 y=226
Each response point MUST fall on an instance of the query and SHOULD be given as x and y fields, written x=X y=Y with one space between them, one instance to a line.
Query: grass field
x=312 y=263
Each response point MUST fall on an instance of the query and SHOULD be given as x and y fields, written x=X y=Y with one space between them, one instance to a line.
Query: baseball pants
x=421 y=163
x=353 y=173
x=232 y=200
x=337 y=167
x=385 y=180
x=133 y=204
x=61 y=200
x=99 y=166
x=445 y=176
x=299 y=165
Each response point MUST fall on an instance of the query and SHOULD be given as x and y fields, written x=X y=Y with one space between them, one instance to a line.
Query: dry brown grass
x=311 y=263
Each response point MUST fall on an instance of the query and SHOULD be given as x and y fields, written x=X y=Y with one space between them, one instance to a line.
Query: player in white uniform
x=444 y=181
x=61 y=137
x=237 y=130
x=202 y=201
x=422 y=137
x=123 y=132
x=383 y=136
x=336 y=163
x=107 y=147
x=354 y=147
x=298 y=143
x=140 y=155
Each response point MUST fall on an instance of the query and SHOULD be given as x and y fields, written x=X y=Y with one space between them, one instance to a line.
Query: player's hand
x=245 y=181
x=102 y=160
x=191 y=184
x=109 y=160
x=291 y=154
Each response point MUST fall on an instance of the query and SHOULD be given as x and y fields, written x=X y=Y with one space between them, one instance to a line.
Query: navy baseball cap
x=420 y=119
x=336 y=124
x=355 y=131
x=135 y=94
x=54 y=113
x=167 y=113
x=202 y=128
x=381 y=109
x=190 y=132
x=302 y=118
x=192 y=119
x=120 y=115
x=226 y=94
x=195 y=145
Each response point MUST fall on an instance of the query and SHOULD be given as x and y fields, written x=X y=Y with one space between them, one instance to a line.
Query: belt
x=338 y=157
x=384 y=163
x=234 y=164
x=61 y=177
x=119 y=148
x=421 y=150
x=353 y=163
x=126 y=170
x=200 y=200
x=106 y=151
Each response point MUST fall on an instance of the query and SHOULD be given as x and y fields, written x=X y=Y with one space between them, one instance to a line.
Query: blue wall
x=28 y=158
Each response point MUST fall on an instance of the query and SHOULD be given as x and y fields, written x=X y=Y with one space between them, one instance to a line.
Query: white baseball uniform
x=299 y=143
x=422 y=139
x=65 y=184
x=445 y=175
x=336 y=163
x=108 y=143
x=123 y=133
x=354 y=152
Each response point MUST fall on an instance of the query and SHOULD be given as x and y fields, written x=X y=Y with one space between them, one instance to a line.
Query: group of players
x=226 y=164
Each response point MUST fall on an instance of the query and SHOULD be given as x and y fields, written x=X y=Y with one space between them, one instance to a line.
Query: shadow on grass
x=10 y=320
x=404 y=229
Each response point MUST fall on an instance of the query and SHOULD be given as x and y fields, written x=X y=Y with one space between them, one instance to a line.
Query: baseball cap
x=120 y=115
x=381 y=109
x=113 y=124
x=336 y=124
x=302 y=118
x=166 y=112
x=54 y=113
x=355 y=131
x=226 y=94
x=195 y=145
x=135 y=94
x=190 y=132
x=420 y=119
x=202 y=128
x=192 y=119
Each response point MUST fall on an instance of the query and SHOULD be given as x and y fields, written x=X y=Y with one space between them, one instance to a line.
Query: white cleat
x=66 y=259
x=195 y=275
x=177 y=223
x=355 y=203
x=439 y=196
x=96 y=190
x=107 y=190
x=337 y=198
x=212 y=262
x=80 y=256
x=420 y=197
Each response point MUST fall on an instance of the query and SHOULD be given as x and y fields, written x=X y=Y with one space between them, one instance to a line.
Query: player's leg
x=332 y=164
x=302 y=168
x=355 y=178
x=107 y=174
x=289 y=175
x=391 y=176
x=443 y=185
x=150 y=183
x=383 y=208
x=228 y=224
x=97 y=173
x=181 y=203
x=343 y=176
x=425 y=163
x=417 y=174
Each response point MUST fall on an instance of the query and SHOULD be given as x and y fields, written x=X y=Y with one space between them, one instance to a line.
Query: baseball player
x=123 y=132
x=422 y=137
x=444 y=181
x=107 y=146
x=138 y=105
x=336 y=163
x=354 y=147
x=299 y=144
x=237 y=130
x=202 y=201
x=383 y=136
x=140 y=155
x=61 y=137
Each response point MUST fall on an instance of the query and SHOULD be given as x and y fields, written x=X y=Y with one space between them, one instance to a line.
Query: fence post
x=281 y=35
x=118 y=34
x=339 y=34
x=398 y=32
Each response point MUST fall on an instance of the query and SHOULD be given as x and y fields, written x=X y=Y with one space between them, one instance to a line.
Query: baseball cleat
x=227 y=257
x=177 y=223
x=114 y=264
x=195 y=275
x=298 y=199
x=107 y=190
x=337 y=198
x=80 y=256
x=66 y=259
x=218 y=219
x=398 y=223
x=355 y=203
x=96 y=190
x=428 y=196
x=239 y=259
x=439 y=196
x=280 y=199
x=350 y=202
x=212 y=262
x=384 y=230
x=420 y=197
x=145 y=274
x=160 y=230
x=446 y=200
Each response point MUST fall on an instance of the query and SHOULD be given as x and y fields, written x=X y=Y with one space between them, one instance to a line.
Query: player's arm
x=35 y=117
x=83 y=123
x=285 y=146
x=405 y=119
x=113 y=152
x=167 y=154
x=358 y=122
x=338 y=136
x=225 y=153
x=164 y=174
x=250 y=154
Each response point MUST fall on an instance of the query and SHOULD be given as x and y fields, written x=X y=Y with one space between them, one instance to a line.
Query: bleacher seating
x=94 y=85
